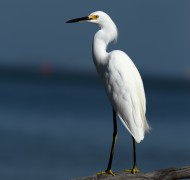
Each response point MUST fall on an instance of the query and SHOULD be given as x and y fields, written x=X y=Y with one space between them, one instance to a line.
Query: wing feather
x=125 y=90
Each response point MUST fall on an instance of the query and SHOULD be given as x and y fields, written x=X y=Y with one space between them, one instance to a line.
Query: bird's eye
x=96 y=16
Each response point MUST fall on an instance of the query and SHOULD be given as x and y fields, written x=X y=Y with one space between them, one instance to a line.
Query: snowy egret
x=122 y=82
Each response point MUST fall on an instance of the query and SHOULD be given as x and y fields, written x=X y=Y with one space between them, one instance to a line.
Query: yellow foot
x=133 y=171
x=106 y=172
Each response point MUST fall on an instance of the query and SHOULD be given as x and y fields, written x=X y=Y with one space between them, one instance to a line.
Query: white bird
x=122 y=82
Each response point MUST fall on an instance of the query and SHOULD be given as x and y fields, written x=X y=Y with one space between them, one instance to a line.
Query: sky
x=155 y=34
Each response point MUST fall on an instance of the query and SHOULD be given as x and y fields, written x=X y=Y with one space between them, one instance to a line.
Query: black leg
x=113 y=142
x=134 y=170
x=134 y=153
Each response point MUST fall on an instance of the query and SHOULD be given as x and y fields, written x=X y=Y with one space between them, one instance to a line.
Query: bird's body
x=121 y=79
x=125 y=90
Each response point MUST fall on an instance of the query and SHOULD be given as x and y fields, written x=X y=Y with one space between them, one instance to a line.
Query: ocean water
x=61 y=128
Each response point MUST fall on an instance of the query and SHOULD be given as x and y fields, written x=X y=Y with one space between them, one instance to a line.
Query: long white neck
x=102 y=38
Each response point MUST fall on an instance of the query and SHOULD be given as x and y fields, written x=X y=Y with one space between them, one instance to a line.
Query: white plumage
x=121 y=78
x=126 y=93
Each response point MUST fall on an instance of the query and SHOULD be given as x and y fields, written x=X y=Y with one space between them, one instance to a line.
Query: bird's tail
x=147 y=127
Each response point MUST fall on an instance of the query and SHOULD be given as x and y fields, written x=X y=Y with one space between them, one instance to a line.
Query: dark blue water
x=61 y=128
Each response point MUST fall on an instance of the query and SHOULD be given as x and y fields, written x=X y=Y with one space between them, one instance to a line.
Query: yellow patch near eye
x=93 y=17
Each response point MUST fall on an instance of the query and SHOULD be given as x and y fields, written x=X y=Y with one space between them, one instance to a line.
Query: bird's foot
x=133 y=171
x=106 y=172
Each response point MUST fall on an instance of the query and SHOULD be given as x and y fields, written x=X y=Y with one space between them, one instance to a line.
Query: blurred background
x=55 y=118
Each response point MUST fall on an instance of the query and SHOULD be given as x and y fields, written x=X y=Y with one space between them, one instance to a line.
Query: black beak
x=79 y=19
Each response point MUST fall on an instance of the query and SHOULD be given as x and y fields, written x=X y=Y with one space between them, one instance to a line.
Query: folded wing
x=126 y=92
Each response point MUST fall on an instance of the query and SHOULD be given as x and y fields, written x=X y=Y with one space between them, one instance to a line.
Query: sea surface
x=60 y=127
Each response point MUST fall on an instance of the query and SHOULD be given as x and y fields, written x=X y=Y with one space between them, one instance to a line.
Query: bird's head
x=103 y=20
